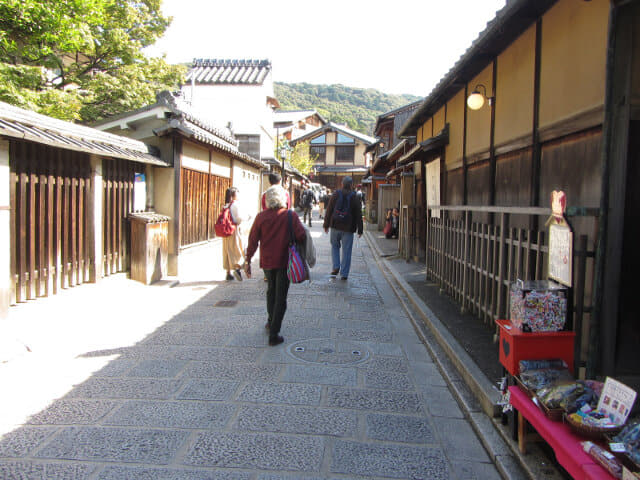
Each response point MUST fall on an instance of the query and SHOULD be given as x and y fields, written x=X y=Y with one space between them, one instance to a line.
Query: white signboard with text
x=432 y=185
x=560 y=253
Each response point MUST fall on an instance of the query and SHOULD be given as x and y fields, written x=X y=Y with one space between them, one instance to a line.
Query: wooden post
x=501 y=264
x=95 y=223
x=6 y=230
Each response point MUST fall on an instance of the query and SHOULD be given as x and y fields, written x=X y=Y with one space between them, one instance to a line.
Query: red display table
x=516 y=345
x=564 y=442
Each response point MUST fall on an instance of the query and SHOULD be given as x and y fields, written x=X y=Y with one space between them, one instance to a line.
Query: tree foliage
x=355 y=107
x=82 y=59
x=298 y=156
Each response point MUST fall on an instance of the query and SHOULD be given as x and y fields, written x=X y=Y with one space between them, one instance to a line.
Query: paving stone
x=195 y=339
x=264 y=451
x=426 y=374
x=399 y=428
x=253 y=339
x=236 y=371
x=116 y=368
x=440 y=402
x=388 y=349
x=26 y=470
x=269 y=476
x=380 y=400
x=388 y=364
x=305 y=420
x=149 y=351
x=172 y=414
x=196 y=389
x=416 y=352
x=114 y=444
x=364 y=336
x=387 y=380
x=157 y=368
x=125 y=388
x=69 y=412
x=392 y=461
x=220 y=354
x=142 y=473
x=476 y=471
x=23 y=441
x=320 y=374
x=287 y=393
x=459 y=440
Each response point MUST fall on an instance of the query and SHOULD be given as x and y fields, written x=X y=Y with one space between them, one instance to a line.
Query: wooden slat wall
x=117 y=200
x=49 y=194
x=202 y=200
x=476 y=262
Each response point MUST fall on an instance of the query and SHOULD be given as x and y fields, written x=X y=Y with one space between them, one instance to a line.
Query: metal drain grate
x=328 y=351
x=226 y=303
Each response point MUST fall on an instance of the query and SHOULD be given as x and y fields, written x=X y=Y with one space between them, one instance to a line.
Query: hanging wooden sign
x=560 y=241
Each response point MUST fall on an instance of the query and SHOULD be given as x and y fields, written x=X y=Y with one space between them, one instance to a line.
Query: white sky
x=396 y=46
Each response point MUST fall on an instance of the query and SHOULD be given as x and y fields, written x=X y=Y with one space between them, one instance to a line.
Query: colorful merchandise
x=604 y=458
x=630 y=436
x=539 y=306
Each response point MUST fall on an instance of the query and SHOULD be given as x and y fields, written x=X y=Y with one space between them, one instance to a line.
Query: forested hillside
x=357 y=107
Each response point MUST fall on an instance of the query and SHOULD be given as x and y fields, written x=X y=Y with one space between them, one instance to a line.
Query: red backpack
x=224 y=226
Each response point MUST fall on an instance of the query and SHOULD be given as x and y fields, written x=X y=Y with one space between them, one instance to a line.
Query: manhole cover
x=327 y=351
x=226 y=303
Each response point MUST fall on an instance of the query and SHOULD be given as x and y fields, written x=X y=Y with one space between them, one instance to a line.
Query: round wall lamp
x=475 y=101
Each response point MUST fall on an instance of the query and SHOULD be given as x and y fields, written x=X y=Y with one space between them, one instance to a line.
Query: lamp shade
x=475 y=100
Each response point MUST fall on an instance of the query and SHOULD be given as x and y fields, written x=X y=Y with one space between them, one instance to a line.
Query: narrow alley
x=177 y=382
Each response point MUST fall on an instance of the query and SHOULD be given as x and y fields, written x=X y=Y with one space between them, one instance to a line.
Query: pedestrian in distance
x=232 y=246
x=307 y=200
x=344 y=218
x=270 y=231
x=274 y=179
x=324 y=198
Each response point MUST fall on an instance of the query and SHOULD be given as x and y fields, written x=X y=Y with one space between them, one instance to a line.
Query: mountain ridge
x=355 y=107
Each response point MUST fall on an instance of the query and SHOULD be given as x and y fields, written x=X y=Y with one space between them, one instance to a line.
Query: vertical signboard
x=432 y=185
x=560 y=241
x=139 y=193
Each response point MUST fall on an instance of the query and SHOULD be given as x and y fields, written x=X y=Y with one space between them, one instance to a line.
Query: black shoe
x=343 y=278
x=335 y=272
x=237 y=275
x=268 y=325
x=277 y=340
x=229 y=276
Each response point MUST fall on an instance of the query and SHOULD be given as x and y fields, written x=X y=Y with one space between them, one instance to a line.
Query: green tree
x=299 y=155
x=82 y=59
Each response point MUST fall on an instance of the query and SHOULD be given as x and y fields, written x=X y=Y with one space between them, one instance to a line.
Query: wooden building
x=561 y=84
x=340 y=152
x=66 y=193
x=205 y=162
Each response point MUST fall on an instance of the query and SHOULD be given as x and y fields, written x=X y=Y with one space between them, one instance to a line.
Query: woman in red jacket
x=271 y=230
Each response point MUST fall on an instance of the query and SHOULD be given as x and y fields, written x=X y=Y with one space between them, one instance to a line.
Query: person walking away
x=232 y=246
x=274 y=179
x=306 y=202
x=322 y=202
x=392 y=223
x=344 y=218
x=270 y=231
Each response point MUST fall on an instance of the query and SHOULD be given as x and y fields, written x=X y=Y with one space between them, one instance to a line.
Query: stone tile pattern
x=204 y=397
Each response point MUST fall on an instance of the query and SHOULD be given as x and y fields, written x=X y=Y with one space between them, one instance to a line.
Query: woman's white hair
x=275 y=197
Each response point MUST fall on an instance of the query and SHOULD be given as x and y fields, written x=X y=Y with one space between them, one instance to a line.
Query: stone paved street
x=180 y=384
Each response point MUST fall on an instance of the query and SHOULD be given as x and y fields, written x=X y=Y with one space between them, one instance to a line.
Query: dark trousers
x=307 y=211
x=277 y=289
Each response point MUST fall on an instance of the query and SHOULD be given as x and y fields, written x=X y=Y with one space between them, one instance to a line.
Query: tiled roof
x=228 y=72
x=339 y=128
x=340 y=169
x=294 y=115
x=23 y=124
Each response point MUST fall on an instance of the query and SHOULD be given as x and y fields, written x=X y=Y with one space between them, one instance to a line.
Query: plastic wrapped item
x=558 y=396
x=538 y=306
x=630 y=436
x=589 y=399
x=539 y=364
x=604 y=458
x=544 y=377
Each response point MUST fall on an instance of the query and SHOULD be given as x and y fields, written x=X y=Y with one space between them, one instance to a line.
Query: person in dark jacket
x=344 y=217
x=271 y=231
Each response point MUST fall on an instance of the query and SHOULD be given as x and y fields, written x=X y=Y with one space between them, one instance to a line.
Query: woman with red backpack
x=232 y=245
